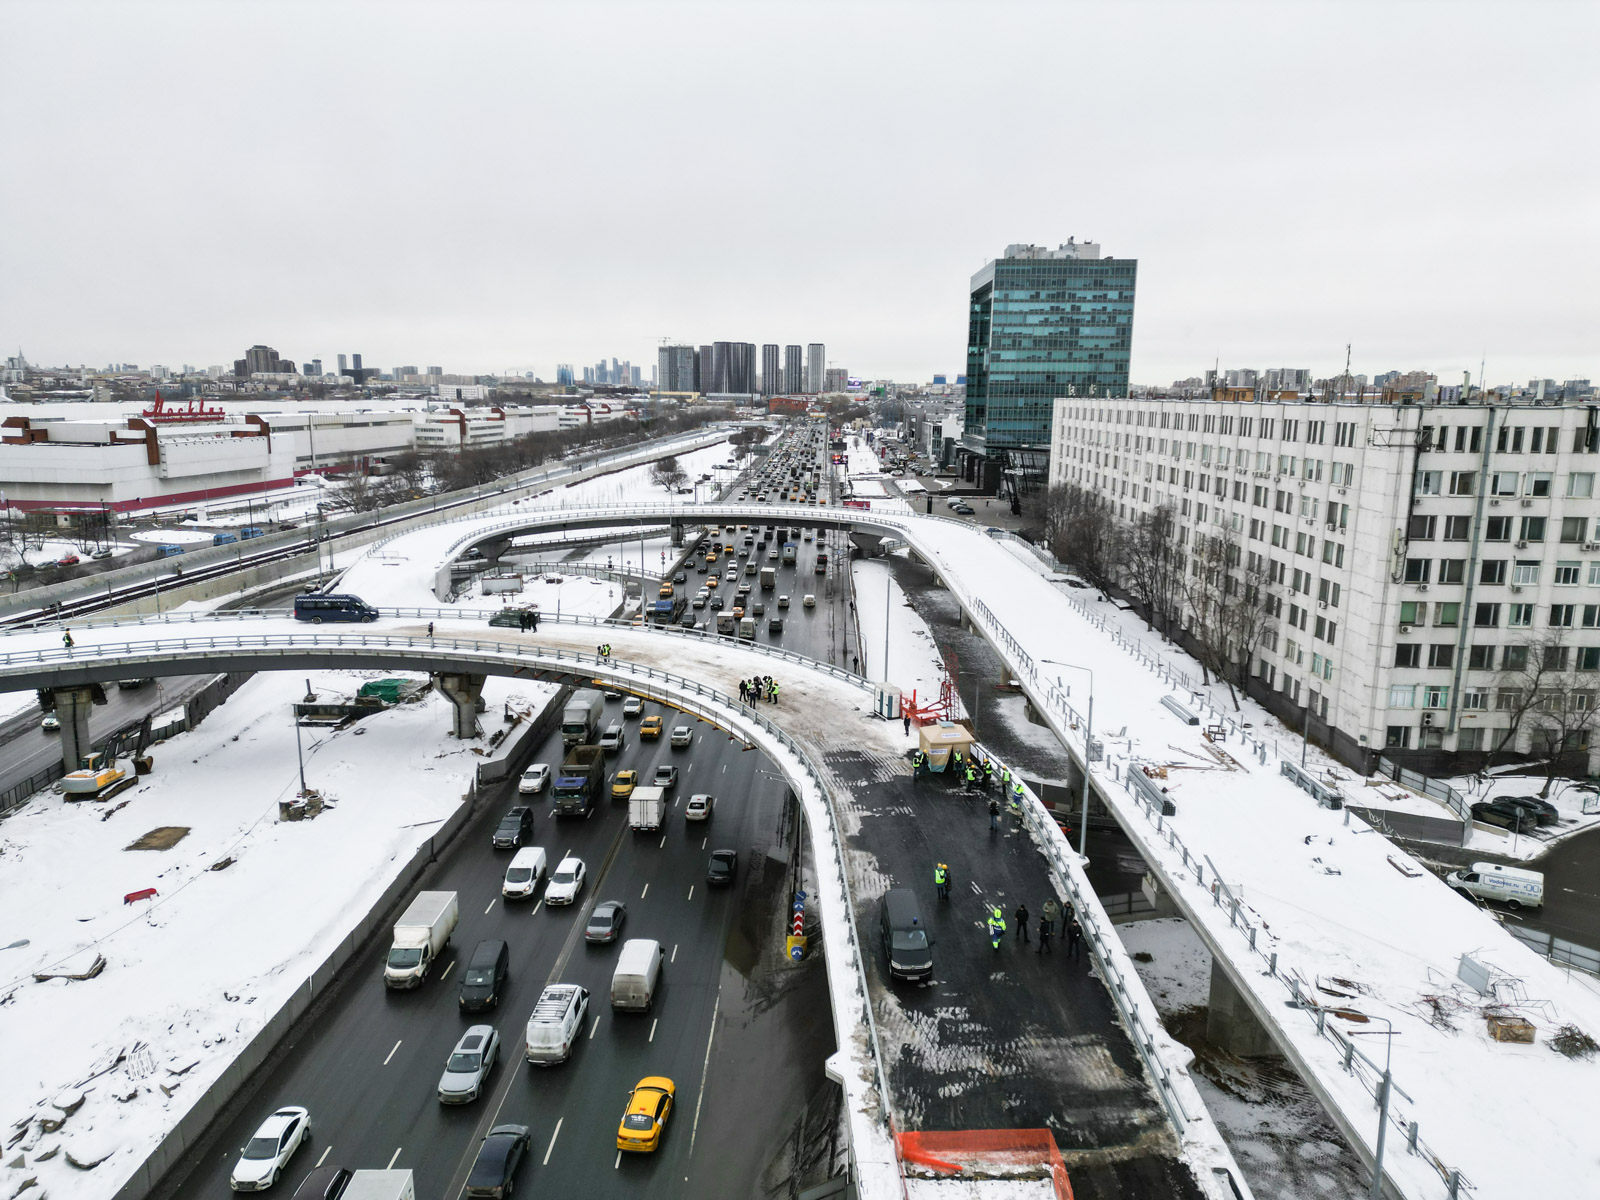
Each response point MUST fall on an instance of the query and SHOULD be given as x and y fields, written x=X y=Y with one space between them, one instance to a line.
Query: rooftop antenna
x=1345 y=386
x=1482 y=362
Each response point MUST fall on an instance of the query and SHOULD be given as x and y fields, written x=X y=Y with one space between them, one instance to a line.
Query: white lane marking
x=447 y=971
x=663 y=840
x=674 y=957
x=618 y=1163
x=553 y=1136
x=704 y=1070
x=490 y=909
x=691 y=891
x=593 y=1028
x=645 y=893
x=325 y=1151
x=537 y=907
x=395 y=1157
x=653 y=1025
x=703 y=842
x=724 y=768
x=391 y=1053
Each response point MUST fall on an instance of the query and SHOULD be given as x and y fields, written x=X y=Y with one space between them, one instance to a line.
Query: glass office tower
x=1042 y=323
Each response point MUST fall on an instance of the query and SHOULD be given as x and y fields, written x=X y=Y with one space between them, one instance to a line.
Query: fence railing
x=1438 y=789
x=15 y=796
x=1557 y=950
x=88 y=650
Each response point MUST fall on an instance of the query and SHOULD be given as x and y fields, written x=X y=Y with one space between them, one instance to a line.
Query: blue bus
x=168 y=550
x=318 y=608
x=223 y=539
x=248 y=532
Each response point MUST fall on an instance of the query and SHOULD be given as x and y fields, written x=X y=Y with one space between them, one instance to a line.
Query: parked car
x=605 y=922
x=567 y=882
x=68 y=560
x=724 y=865
x=534 y=779
x=503 y=1149
x=1506 y=814
x=515 y=826
x=269 y=1150
x=1544 y=812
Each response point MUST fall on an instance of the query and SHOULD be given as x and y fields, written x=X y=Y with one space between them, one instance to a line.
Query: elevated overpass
x=1308 y=940
x=825 y=713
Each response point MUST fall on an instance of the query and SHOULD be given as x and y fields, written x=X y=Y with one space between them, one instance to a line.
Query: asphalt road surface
x=367 y=1063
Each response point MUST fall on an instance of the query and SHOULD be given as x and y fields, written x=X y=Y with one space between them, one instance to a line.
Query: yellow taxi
x=714 y=581
x=649 y=1106
x=650 y=727
x=666 y=591
x=623 y=783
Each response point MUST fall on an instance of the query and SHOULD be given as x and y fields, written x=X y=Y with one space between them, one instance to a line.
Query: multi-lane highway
x=366 y=1062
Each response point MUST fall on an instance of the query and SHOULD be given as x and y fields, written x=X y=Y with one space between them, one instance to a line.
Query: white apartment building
x=1422 y=555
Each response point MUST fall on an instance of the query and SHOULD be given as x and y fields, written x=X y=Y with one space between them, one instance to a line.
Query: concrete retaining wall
x=192 y=1126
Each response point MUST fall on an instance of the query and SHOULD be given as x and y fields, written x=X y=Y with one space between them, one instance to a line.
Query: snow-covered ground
x=176 y=536
x=180 y=1015
x=914 y=661
x=53 y=550
x=1273 y=1124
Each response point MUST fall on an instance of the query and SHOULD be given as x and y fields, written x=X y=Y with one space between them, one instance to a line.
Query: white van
x=638 y=975
x=526 y=872
x=1513 y=886
x=556 y=1022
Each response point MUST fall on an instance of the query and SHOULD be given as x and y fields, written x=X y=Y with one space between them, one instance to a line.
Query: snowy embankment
x=1353 y=919
x=245 y=909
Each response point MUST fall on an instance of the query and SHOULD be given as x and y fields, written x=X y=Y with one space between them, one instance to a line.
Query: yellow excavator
x=101 y=775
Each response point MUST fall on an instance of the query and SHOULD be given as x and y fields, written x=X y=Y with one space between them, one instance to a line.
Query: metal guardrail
x=15 y=796
x=1557 y=950
x=1436 y=789
x=296 y=640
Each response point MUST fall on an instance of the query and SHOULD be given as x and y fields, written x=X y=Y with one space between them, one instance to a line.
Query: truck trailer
x=580 y=719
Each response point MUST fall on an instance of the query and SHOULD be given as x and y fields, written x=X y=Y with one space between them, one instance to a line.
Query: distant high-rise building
x=564 y=375
x=316 y=367
x=793 y=373
x=705 y=369
x=675 y=369
x=816 y=367
x=402 y=372
x=588 y=374
x=1042 y=324
x=435 y=370
x=263 y=359
x=835 y=379
x=344 y=366
x=635 y=375
x=771 y=372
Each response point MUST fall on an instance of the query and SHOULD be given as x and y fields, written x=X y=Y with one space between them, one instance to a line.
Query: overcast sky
x=491 y=187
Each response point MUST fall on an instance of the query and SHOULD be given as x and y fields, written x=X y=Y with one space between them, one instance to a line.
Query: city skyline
x=1394 y=212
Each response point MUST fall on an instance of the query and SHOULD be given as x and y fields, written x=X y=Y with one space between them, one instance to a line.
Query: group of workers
x=1049 y=918
x=758 y=688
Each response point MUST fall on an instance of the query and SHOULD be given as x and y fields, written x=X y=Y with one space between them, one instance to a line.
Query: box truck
x=581 y=717
x=647 y=807
x=420 y=936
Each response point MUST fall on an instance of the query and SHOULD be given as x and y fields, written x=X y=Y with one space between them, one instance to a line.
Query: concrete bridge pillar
x=677 y=533
x=465 y=693
x=1231 y=1024
x=72 y=710
x=868 y=542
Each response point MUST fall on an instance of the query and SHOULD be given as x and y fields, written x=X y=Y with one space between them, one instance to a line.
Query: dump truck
x=420 y=936
x=581 y=717
x=578 y=781
x=647 y=807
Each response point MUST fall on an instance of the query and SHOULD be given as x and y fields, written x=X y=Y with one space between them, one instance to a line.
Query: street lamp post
x=1088 y=752
x=1376 y=1191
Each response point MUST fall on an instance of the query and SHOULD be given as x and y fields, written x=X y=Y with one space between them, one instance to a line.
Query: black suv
x=514 y=826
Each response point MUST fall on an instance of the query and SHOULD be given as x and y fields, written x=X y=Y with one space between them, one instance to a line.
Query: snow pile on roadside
x=244 y=907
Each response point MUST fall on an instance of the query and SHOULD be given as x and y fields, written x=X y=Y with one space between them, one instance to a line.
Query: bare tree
x=1227 y=606
x=1153 y=567
x=667 y=473
x=1083 y=534
x=1545 y=687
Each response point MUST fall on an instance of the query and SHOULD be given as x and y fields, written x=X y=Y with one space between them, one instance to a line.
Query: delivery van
x=1512 y=886
x=523 y=876
x=638 y=975
x=906 y=943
